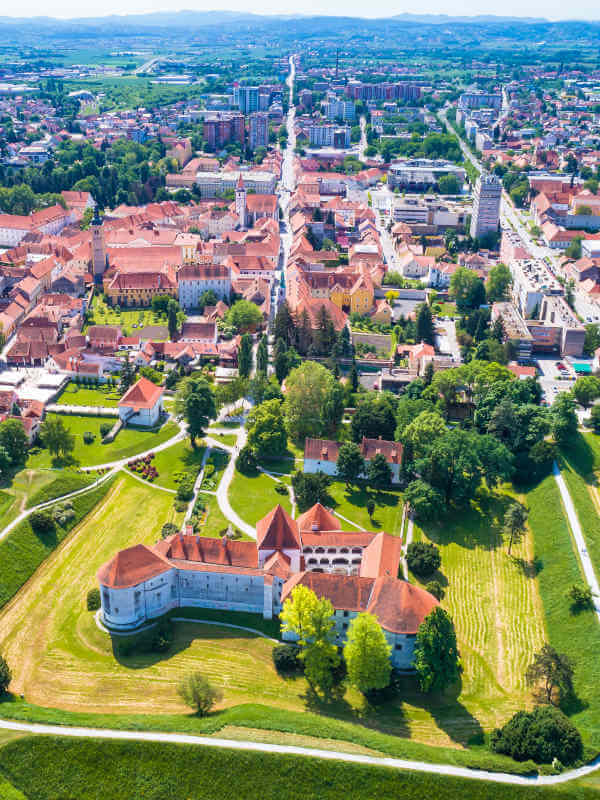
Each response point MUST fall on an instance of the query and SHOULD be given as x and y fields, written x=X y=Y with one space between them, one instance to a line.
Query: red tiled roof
x=143 y=394
x=223 y=551
x=277 y=531
x=132 y=566
x=400 y=606
x=318 y=518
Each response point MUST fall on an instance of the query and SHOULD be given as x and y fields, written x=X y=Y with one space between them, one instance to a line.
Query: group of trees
x=195 y=402
x=506 y=437
x=13 y=445
x=297 y=332
x=366 y=652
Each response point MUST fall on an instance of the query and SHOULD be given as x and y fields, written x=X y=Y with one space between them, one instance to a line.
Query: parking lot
x=556 y=375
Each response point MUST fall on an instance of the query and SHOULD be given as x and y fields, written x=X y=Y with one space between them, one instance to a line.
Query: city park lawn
x=129 y=442
x=77 y=395
x=212 y=521
x=229 y=439
x=104 y=314
x=352 y=504
x=494 y=600
x=175 y=460
x=253 y=496
x=219 y=460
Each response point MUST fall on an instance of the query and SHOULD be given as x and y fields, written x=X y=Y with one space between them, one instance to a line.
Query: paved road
x=584 y=556
x=330 y=755
x=225 y=482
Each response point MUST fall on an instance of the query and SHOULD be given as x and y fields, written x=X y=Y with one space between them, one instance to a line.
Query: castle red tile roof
x=277 y=531
x=132 y=566
x=318 y=518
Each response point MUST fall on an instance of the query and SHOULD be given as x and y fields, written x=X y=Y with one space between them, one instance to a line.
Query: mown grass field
x=253 y=496
x=128 y=442
x=58 y=655
x=576 y=635
x=17 y=490
x=23 y=551
x=47 y=768
x=494 y=601
x=74 y=395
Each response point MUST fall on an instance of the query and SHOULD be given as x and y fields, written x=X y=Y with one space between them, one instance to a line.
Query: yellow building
x=136 y=289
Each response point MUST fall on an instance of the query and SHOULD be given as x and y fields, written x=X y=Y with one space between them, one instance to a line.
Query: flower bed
x=144 y=467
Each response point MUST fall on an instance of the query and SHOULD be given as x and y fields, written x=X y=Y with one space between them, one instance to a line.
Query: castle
x=356 y=571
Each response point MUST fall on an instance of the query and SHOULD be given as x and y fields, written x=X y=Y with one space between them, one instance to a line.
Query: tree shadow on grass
x=579 y=456
x=477 y=525
x=530 y=568
x=384 y=713
x=449 y=713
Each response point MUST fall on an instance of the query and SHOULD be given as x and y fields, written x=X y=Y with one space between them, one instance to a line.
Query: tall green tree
x=266 y=430
x=515 y=520
x=436 y=658
x=552 y=672
x=350 y=463
x=563 y=419
x=245 y=356
x=244 y=316
x=57 y=437
x=374 y=417
x=172 y=322
x=367 y=654
x=313 y=404
x=498 y=283
x=311 y=619
x=5 y=676
x=127 y=374
x=425 y=326
x=262 y=355
x=379 y=472
x=195 y=402
x=284 y=325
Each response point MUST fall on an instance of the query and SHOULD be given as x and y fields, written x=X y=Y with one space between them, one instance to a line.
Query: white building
x=337 y=136
x=321 y=455
x=142 y=404
x=195 y=279
x=211 y=184
x=486 y=205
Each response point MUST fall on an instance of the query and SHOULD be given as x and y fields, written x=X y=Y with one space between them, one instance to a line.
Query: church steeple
x=99 y=257
x=240 y=202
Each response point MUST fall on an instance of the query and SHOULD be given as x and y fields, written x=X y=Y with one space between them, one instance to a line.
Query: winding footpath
x=283 y=749
x=584 y=556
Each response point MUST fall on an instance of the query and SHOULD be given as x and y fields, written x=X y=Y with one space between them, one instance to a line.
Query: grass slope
x=576 y=635
x=65 y=482
x=22 y=551
x=494 y=602
x=253 y=496
x=49 y=767
x=74 y=395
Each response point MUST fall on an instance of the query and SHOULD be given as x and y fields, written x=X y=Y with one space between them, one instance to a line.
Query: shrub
x=179 y=506
x=281 y=488
x=185 y=490
x=88 y=437
x=246 y=461
x=168 y=529
x=286 y=658
x=540 y=735
x=163 y=637
x=105 y=429
x=436 y=589
x=93 y=600
x=42 y=522
x=5 y=675
x=580 y=598
x=423 y=558
x=197 y=692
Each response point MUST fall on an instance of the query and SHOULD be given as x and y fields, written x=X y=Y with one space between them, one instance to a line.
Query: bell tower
x=99 y=258
x=240 y=202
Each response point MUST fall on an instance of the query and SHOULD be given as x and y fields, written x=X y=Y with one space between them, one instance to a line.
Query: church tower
x=240 y=202
x=99 y=258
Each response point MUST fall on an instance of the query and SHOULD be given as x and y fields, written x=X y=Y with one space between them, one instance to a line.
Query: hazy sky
x=551 y=9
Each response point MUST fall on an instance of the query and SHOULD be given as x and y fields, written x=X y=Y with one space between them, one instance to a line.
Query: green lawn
x=17 y=490
x=580 y=464
x=576 y=635
x=65 y=482
x=142 y=317
x=175 y=460
x=228 y=439
x=447 y=309
x=252 y=497
x=213 y=521
x=74 y=395
x=494 y=601
x=129 y=442
x=48 y=768
x=352 y=504
x=219 y=460
x=22 y=551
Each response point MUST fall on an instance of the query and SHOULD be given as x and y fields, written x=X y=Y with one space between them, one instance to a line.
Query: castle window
x=398 y=647
x=106 y=601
